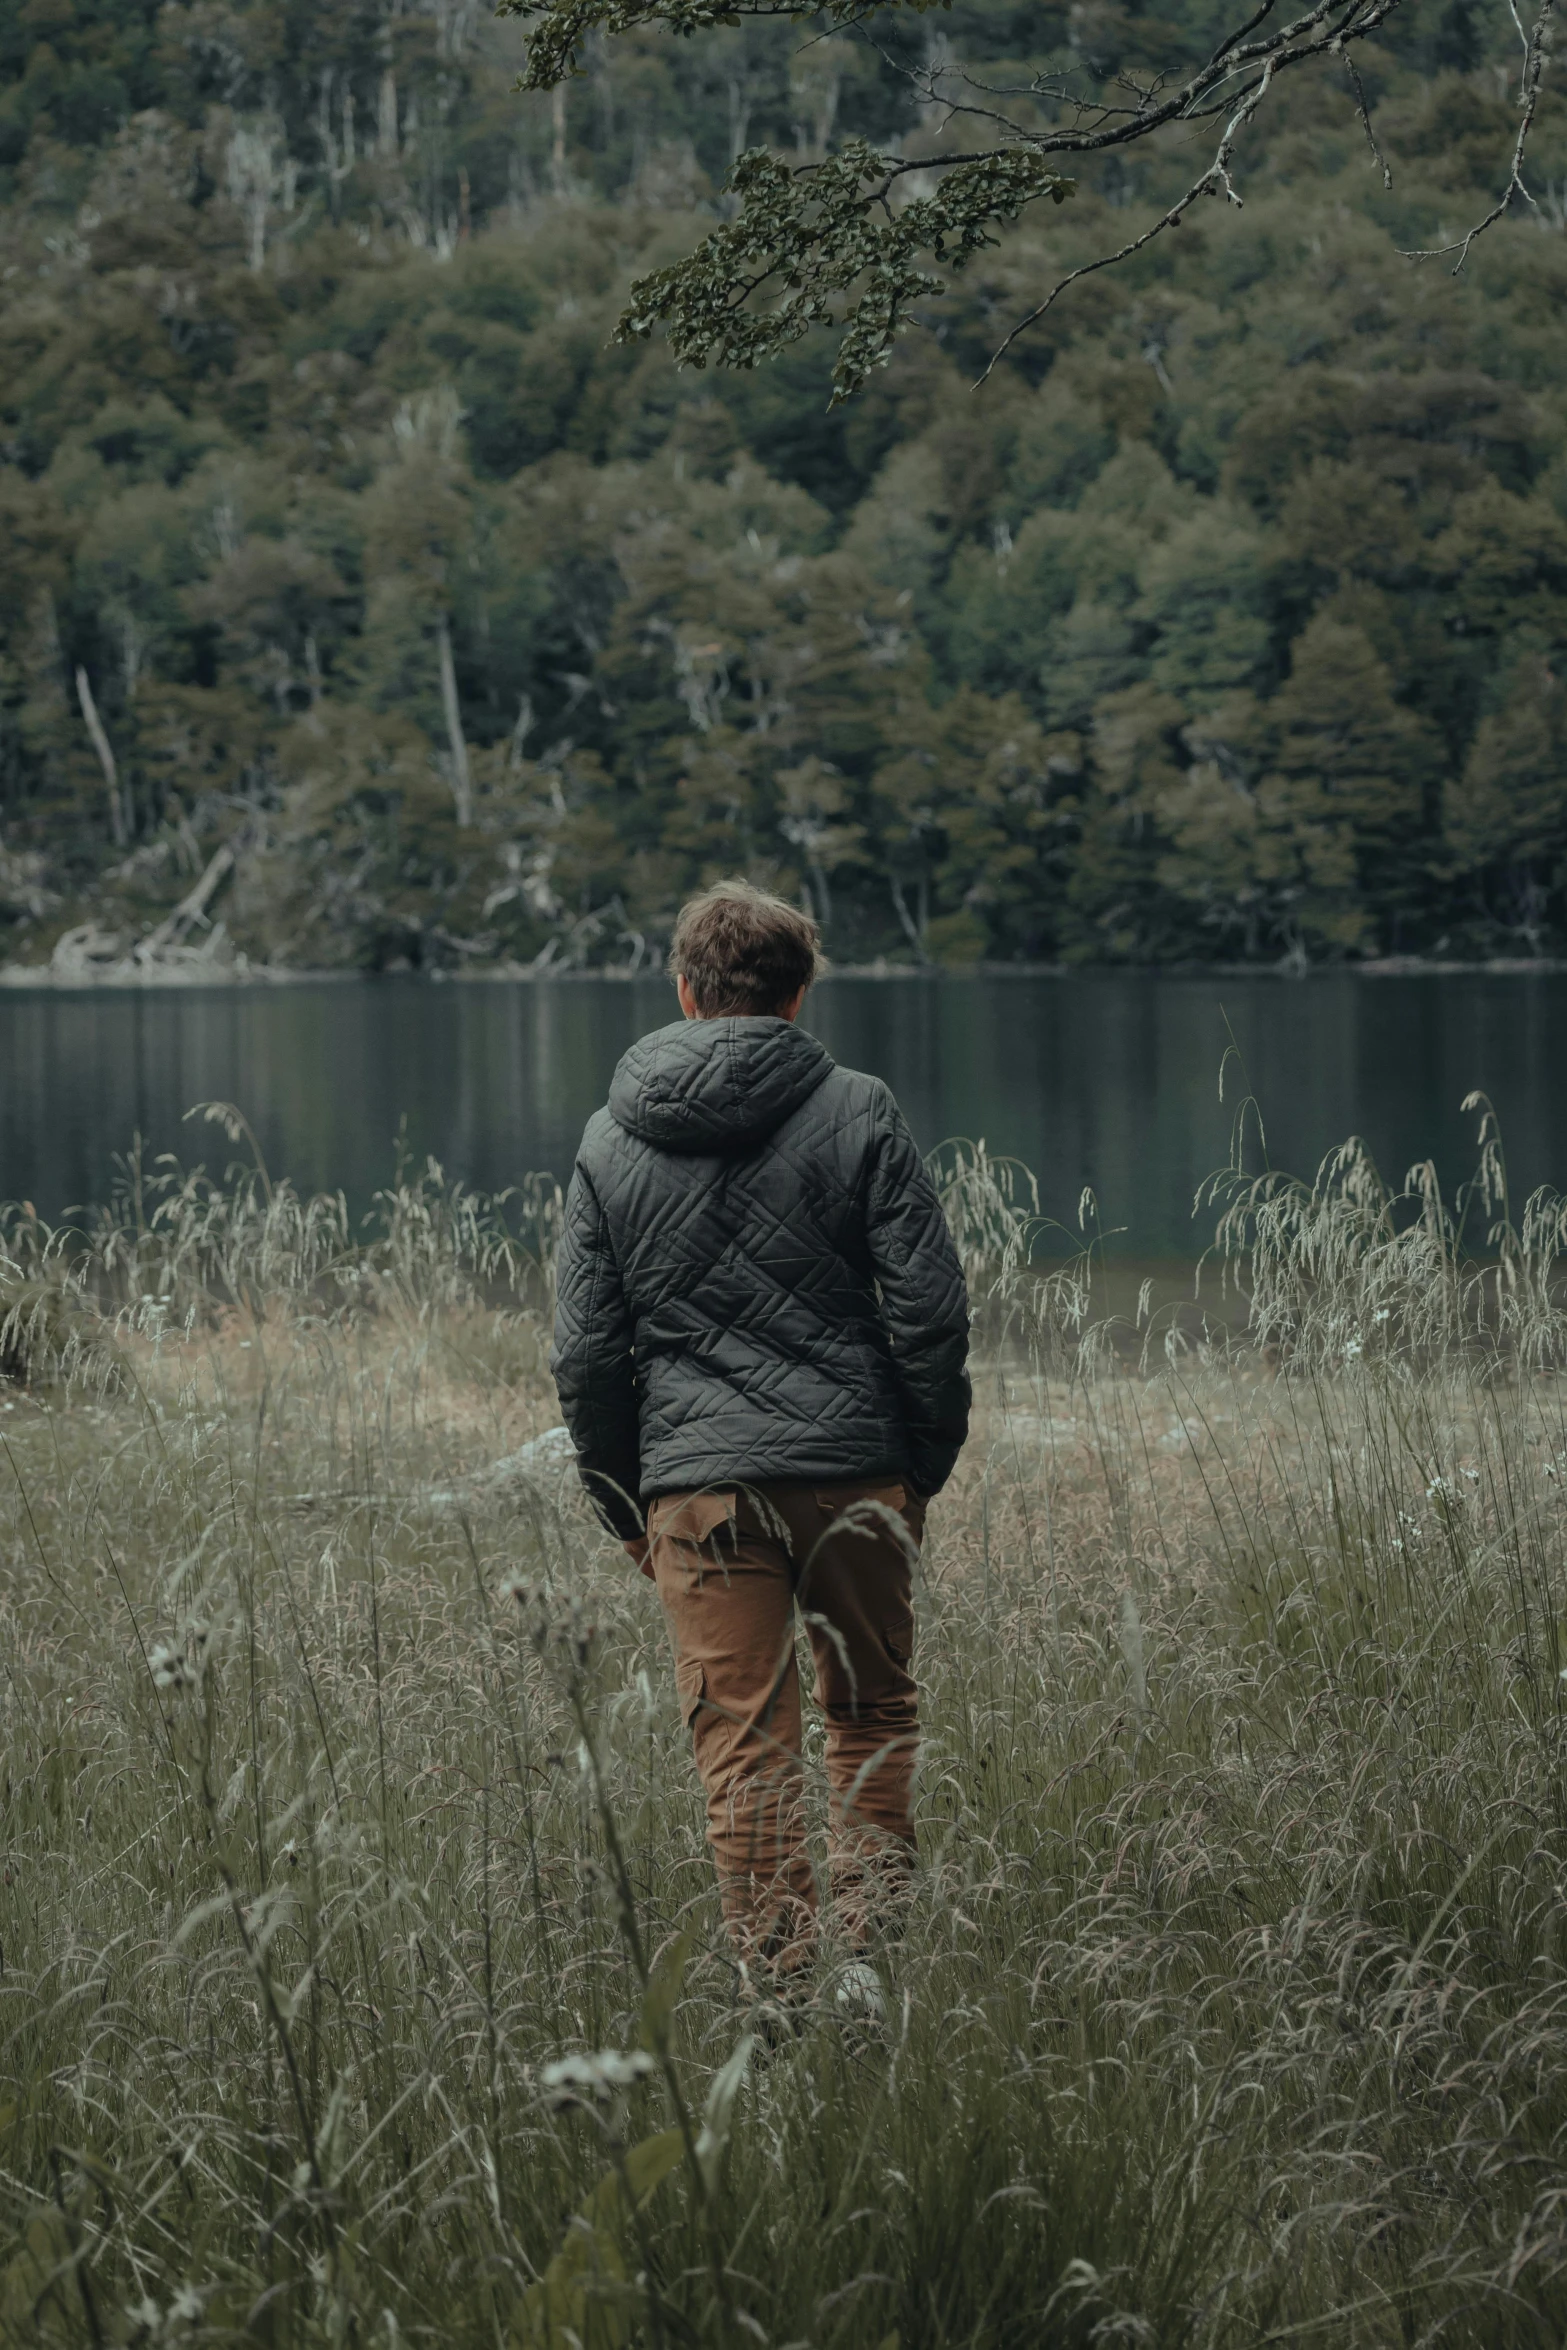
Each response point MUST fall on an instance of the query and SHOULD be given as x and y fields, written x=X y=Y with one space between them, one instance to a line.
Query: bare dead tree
x=105 y=753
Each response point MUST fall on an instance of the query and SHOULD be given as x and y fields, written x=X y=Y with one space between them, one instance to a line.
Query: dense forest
x=364 y=602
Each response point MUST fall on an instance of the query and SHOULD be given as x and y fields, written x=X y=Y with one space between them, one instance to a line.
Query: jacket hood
x=714 y=1085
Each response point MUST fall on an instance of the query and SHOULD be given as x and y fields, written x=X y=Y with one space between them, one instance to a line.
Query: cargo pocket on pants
x=690 y=1682
x=898 y=1640
x=704 y=1521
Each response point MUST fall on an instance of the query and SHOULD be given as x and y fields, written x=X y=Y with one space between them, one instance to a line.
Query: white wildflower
x=594 y=2079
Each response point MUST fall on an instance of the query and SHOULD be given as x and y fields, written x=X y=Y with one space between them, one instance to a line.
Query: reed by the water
x=360 y=1974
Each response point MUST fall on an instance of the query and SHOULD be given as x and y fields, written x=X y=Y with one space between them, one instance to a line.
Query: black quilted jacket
x=756 y=1280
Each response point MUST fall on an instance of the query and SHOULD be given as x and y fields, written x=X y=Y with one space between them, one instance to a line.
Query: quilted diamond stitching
x=789 y=1305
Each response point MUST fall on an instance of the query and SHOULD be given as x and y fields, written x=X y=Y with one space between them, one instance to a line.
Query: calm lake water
x=1102 y=1079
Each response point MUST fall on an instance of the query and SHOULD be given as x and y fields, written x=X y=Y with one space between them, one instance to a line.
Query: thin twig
x=1363 y=109
x=1529 y=99
x=1216 y=176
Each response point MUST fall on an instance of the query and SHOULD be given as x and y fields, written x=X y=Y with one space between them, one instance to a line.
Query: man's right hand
x=640 y=1553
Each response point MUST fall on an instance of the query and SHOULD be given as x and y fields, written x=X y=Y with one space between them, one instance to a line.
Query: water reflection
x=1103 y=1079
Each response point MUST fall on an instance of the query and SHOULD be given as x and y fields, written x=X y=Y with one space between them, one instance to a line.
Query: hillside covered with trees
x=364 y=603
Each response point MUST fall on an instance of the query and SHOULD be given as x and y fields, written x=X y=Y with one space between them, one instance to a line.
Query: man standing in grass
x=760 y=1348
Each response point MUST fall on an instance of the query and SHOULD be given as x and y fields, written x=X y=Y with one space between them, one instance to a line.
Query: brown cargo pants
x=731 y=1566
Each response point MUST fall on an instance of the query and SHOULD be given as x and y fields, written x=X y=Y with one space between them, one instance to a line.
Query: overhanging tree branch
x=1212 y=181
x=805 y=237
x=838 y=239
x=1536 y=44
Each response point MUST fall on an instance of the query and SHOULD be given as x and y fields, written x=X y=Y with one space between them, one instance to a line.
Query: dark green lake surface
x=1108 y=1079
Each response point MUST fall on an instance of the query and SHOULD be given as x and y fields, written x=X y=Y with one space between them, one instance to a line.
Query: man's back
x=756 y=1280
x=760 y=1337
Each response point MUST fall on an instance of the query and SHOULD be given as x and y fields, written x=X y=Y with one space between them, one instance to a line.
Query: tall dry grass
x=360 y=1975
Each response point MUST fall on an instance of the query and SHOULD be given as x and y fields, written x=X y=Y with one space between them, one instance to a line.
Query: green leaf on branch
x=823 y=242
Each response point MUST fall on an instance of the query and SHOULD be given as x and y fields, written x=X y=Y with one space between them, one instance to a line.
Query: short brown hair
x=741 y=951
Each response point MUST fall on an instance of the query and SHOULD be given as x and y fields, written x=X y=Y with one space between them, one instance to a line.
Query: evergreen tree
x=1341 y=805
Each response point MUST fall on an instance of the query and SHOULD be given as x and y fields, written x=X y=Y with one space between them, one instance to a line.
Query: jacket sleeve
x=924 y=1301
x=593 y=1361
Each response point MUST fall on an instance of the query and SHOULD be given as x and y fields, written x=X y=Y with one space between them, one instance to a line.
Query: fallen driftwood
x=192 y=908
x=91 y=955
x=97 y=957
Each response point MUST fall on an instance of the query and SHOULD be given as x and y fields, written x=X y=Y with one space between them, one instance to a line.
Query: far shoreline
x=42 y=979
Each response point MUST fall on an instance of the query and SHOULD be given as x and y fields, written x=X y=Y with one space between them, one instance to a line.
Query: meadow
x=360 y=1974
